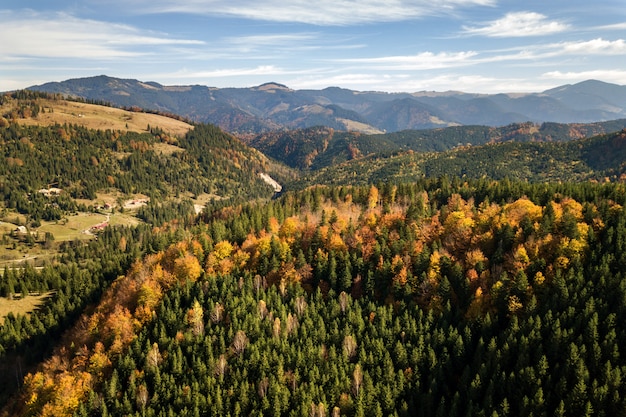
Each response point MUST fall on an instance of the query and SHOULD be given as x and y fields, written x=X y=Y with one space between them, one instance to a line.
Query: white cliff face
x=271 y=181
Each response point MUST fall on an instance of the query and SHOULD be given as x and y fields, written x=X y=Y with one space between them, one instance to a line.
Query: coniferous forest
x=436 y=298
x=440 y=296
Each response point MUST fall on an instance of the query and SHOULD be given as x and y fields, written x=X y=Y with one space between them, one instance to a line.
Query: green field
x=77 y=226
x=15 y=251
x=21 y=306
x=72 y=227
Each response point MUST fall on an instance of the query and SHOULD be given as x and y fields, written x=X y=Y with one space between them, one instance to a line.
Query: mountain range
x=273 y=106
x=317 y=147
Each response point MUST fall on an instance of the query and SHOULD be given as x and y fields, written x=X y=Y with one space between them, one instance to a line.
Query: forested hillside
x=80 y=162
x=54 y=181
x=599 y=158
x=435 y=298
x=320 y=147
x=386 y=279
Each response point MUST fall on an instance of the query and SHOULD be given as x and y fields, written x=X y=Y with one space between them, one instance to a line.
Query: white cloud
x=61 y=35
x=616 y=26
x=271 y=42
x=518 y=24
x=408 y=83
x=10 y=85
x=361 y=81
x=421 y=61
x=608 y=75
x=544 y=54
x=321 y=12
x=473 y=84
x=232 y=72
x=597 y=46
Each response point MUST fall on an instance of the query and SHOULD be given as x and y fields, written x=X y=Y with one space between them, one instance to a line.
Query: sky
x=477 y=46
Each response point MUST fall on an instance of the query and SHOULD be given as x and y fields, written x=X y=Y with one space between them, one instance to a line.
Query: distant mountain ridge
x=273 y=106
x=317 y=147
x=599 y=158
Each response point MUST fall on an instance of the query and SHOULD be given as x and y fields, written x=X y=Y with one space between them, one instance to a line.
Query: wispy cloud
x=608 y=75
x=537 y=55
x=60 y=35
x=539 y=52
x=270 y=42
x=321 y=12
x=597 y=46
x=518 y=24
x=420 y=61
x=473 y=83
x=270 y=39
x=261 y=70
x=470 y=83
x=615 y=26
x=350 y=80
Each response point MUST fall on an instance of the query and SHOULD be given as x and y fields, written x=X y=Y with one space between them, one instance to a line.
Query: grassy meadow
x=21 y=306
x=101 y=117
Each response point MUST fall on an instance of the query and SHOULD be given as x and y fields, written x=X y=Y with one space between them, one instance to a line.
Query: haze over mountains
x=273 y=106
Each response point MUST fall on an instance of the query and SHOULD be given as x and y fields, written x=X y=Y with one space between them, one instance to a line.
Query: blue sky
x=483 y=46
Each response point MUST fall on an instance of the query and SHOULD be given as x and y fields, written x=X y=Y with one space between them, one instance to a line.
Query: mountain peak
x=272 y=86
x=587 y=85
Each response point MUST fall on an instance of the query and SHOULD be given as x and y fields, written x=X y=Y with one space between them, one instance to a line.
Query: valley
x=154 y=264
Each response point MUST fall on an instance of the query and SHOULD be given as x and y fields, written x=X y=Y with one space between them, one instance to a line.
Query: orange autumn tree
x=64 y=381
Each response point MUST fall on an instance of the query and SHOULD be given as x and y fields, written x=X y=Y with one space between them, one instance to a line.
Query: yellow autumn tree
x=195 y=318
x=56 y=395
x=521 y=208
x=477 y=306
x=222 y=250
x=274 y=225
x=521 y=258
x=336 y=243
x=458 y=232
x=474 y=258
x=187 y=267
x=289 y=228
x=372 y=198
x=219 y=261
x=98 y=361
x=573 y=207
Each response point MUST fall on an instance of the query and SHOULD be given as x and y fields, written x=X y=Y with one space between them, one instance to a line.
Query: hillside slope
x=428 y=298
x=319 y=147
x=85 y=150
x=598 y=158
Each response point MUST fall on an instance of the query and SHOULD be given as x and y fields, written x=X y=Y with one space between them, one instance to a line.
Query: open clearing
x=16 y=258
x=167 y=149
x=21 y=306
x=75 y=226
x=201 y=201
x=102 y=117
x=112 y=199
x=16 y=254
